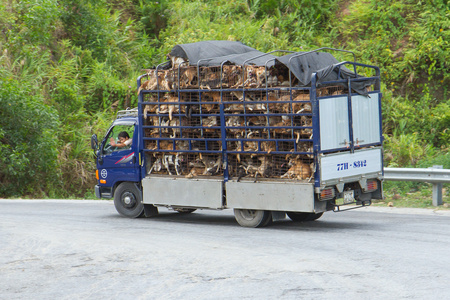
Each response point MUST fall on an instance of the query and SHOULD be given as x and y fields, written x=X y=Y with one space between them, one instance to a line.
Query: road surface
x=75 y=249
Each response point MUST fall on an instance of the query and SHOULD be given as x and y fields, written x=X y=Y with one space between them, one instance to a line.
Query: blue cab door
x=117 y=164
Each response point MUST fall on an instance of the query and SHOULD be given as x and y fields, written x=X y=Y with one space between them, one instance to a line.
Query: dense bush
x=28 y=160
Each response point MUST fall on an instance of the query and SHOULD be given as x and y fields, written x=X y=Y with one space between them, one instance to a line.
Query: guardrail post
x=437 y=190
x=436 y=175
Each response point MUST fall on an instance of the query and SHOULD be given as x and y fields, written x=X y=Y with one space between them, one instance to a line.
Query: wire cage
x=235 y=121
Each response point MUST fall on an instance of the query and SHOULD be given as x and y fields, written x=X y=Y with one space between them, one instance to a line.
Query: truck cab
x=117 y=164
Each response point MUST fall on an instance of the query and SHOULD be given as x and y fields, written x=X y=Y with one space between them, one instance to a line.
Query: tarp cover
x=214 y=53
x=301 y=64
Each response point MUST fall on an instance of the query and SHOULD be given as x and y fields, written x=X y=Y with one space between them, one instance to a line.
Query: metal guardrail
x=435 y=175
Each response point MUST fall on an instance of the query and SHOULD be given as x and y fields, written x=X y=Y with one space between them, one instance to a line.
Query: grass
x=414 y=199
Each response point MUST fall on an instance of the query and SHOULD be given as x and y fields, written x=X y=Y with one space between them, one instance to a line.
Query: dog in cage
x=235 y=121
x=169 y=106
x=187 y=77
x=211 y=97
x=260 y=166
x=301 y=107
x=231 y=75
x=264 y=168
x=278 y=122
x=210 y=78
x=173 y=160
x=268 y=146
x=212 y=163
x=152 y=82
x=176 y=61
x=156 y=166
x=196 y=168
x=176 y=124
x=210 y=122
x=249 y=78
x=298 y=169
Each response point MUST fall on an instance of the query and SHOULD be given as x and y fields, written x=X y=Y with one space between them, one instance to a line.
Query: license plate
x=349 y=197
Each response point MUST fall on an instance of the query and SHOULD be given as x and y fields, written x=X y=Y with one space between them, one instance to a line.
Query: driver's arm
x=121 y=144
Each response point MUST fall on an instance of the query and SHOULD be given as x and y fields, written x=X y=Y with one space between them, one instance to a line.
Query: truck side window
x=119 y=138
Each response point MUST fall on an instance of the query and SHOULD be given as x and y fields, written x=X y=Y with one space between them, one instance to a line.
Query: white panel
x=265 y=195
x=334 y=123
x=366 y=119
x=205 y=193
x=342 y=165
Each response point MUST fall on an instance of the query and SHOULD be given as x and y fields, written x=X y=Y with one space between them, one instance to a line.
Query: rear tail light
x=327 y=194
x=372 y=185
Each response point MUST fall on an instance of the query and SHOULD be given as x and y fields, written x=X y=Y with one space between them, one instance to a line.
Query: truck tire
x=185 y=210
x=303 y=216
x=313 y=216
x=128 y=200
x=253 y=218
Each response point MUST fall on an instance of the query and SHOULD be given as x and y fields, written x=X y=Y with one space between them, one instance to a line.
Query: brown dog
x=152 y=82
x=260 y=76
x=231 y=75
x=298 y=170
x=187 y=76
x=301 y=107
x=169 y=106
x=210 y=78
x=176 y=60
x=211 y=97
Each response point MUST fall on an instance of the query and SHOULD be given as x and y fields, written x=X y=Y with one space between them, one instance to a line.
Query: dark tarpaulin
x=301 y=64
x=304 y=64
x=214 y=53
x=333 y=73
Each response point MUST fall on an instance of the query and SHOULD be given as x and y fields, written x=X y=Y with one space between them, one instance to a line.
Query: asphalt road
x=70 y=249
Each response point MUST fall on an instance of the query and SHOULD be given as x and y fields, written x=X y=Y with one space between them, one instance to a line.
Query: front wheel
x=253 y=218
x=128 y=200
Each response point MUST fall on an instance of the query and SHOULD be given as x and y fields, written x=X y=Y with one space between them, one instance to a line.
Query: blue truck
x=220 y=125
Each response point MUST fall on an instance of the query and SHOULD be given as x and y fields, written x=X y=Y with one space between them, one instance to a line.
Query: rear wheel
x=313 y=216
x=253 y=218
x=128 y=200
x=184 y=210
x=303 y=216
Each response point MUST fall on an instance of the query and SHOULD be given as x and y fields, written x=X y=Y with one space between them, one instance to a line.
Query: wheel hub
x=248 y=214
x=128 y=200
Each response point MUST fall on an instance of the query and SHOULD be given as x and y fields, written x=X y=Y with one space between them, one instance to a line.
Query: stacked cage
x=231 y=121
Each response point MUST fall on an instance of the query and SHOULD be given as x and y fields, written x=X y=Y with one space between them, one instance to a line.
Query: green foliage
x=66 y=65
x=153 y=16
x=84 y=24
x=405 y=150
x=28 y=145
x=76 y=163
x=226 y=20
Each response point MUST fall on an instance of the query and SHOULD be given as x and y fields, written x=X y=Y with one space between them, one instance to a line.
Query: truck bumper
x=98 y=194
x=102 y=192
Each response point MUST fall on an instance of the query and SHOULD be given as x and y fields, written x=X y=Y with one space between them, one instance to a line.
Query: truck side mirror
x=94 y=142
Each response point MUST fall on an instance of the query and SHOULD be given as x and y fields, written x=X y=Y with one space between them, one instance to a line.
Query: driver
x=124 y=140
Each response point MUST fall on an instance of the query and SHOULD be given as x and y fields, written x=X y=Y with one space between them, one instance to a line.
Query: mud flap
x=150 y=210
